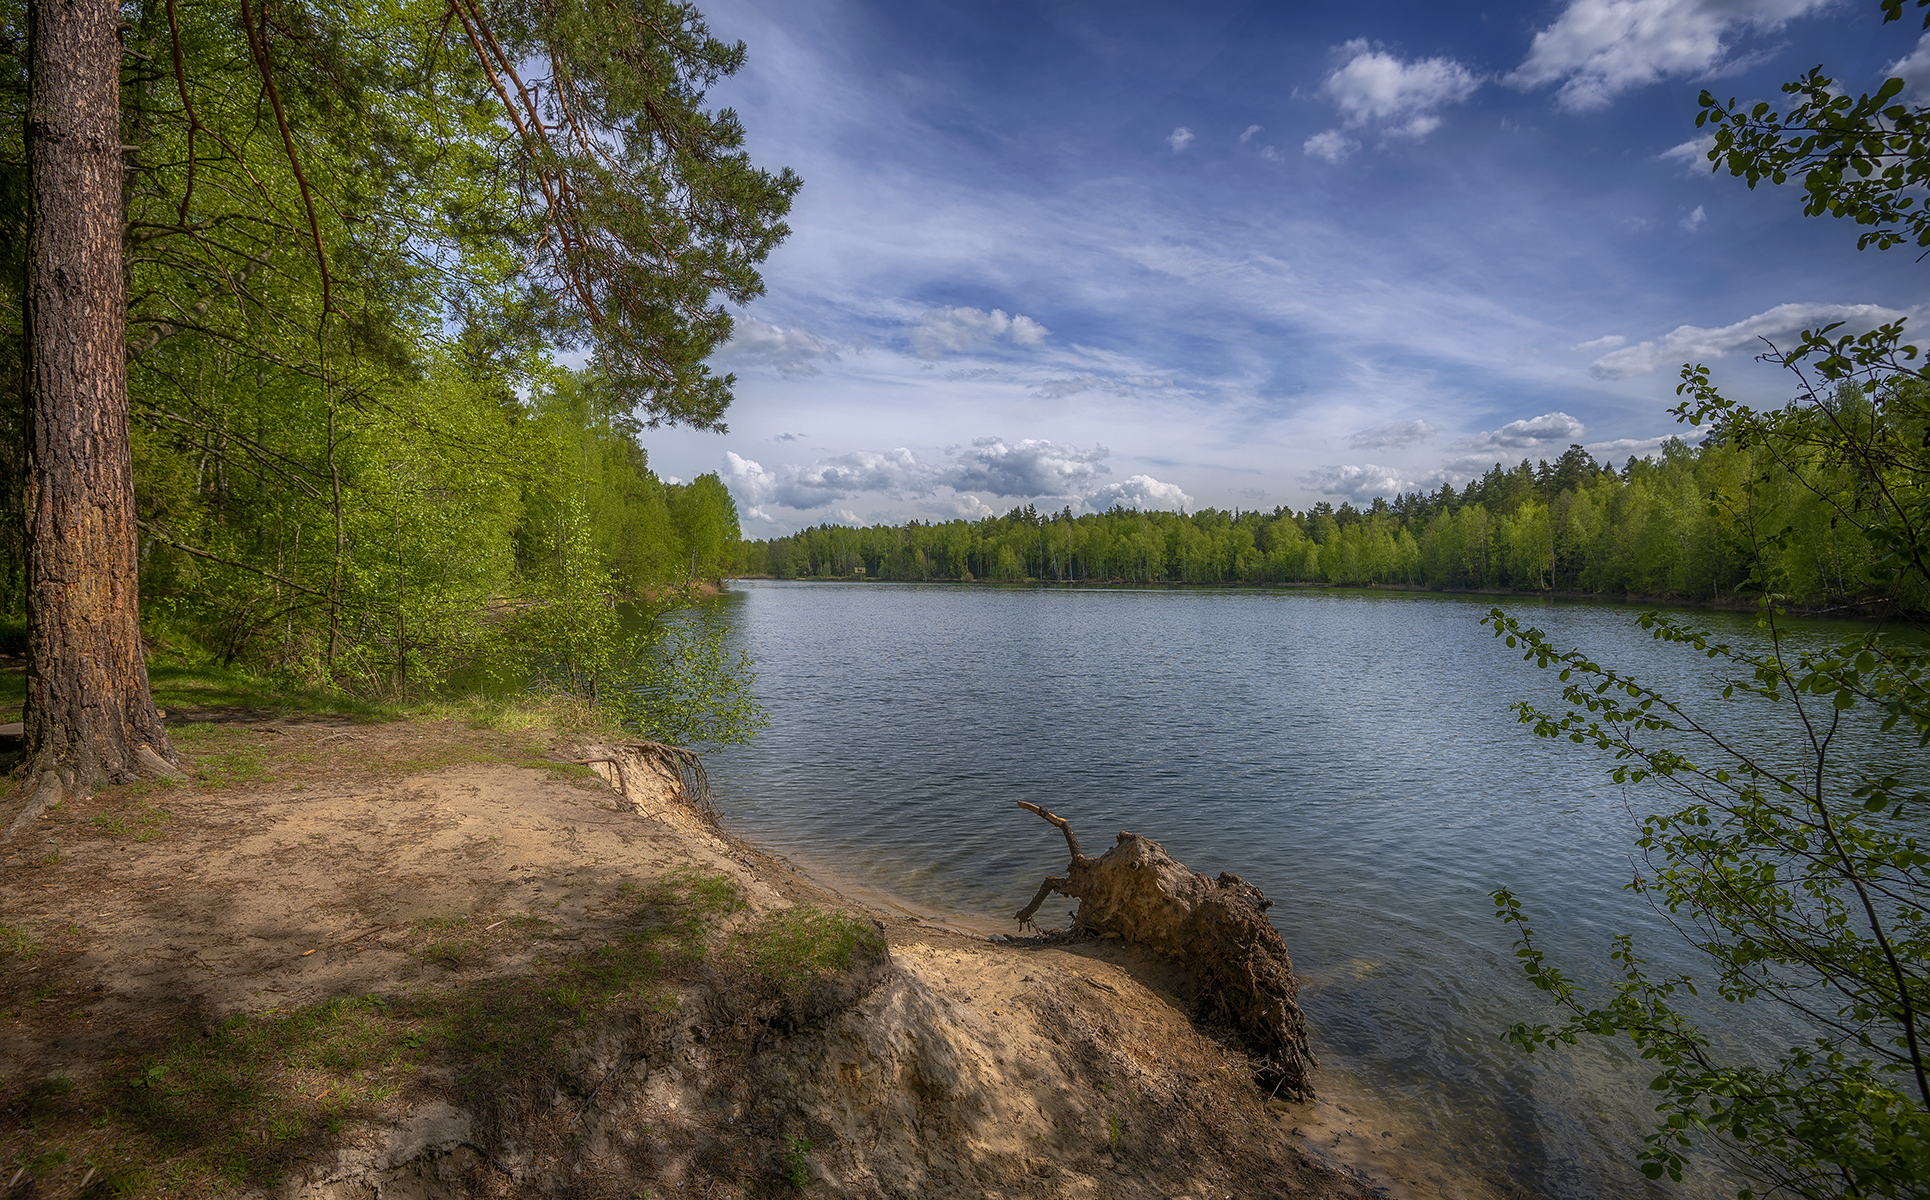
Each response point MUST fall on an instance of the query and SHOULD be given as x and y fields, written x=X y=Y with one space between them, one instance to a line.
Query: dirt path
x=418 y=959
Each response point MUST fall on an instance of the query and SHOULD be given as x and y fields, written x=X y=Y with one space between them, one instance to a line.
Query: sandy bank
x=428 y=961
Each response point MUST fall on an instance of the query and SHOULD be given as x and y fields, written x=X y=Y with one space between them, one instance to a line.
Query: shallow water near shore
x=1352 y=753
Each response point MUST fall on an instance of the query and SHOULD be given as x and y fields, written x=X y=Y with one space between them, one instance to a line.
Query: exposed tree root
x=1217 y=930
x=693 y=783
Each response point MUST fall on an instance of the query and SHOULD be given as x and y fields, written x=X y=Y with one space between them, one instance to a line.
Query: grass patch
x=795 y=948
x=17 y=942
x=236 y=768
x=212 y=687
x=144 y=821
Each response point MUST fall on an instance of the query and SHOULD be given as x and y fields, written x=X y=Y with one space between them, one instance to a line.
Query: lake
x=1351 y=753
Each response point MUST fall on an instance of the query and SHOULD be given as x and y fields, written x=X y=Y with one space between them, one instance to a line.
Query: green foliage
x=358 y=239
x=797 y=1162
x=1802 y=881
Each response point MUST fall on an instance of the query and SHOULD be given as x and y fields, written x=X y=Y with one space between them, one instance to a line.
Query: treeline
x=1684 y=523
x=356 y=458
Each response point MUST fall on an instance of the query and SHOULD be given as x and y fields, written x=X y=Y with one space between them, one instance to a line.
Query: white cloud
x=1601 y=343
x=1694 y=220
x=1247 y=135
x=791 y=351
x=950 y=330
x=1622 y=449
x=1913 y=69
x=1601 y=48
x=1179 y=139
x=1694 y=342
x=1535 y=433
x=1401 y=433
x=1692 y=153
x=971 y=507
x=1374 y=88
x=790 y=437
x=993 y=466
x=1332 y=145
x=1359 y=484
x=1142 y=492
x=1026 y=468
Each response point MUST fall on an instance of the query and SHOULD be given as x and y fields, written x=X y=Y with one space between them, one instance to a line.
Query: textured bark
x=1217 y=930
x=89 y=717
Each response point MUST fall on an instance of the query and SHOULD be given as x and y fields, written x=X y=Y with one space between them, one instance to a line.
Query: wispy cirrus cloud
x=1400 y=433
x=1686 y=342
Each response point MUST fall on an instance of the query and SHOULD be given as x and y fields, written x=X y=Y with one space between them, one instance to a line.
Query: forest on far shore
x=1687 y=523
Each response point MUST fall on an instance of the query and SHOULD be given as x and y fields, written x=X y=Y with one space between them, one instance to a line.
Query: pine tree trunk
x=90 y=719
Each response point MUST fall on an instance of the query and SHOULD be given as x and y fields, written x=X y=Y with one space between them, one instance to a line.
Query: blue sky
x=1245 y=254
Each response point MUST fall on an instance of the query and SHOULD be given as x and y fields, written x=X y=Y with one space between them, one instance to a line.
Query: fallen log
x=1216 y=930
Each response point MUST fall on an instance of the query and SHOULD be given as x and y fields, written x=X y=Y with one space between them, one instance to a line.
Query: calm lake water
x=1351 y=753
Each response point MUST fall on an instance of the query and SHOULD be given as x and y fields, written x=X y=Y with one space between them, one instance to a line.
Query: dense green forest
x=1678 y=524
x=359 y=246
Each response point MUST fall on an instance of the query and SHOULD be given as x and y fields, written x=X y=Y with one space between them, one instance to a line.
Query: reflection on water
x=1353 y=754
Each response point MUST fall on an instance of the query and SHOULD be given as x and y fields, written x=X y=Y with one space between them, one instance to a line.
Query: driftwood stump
x=1217 y=930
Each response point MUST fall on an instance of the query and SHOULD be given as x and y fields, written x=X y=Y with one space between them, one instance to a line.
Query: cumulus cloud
x=1332 y=146
x=993 y=466
x=1247 y=135
x=1687 y=342
x=1599 y=49
x=790 y=437
x=1142 y=492
x=1535 y=433
x=828 y=480
x=1358 y=483
x=791 y=351
x=1026 y=468
x=1179 y=139
x=1401 y=433
x=952 y=330
x=1913 y=69
x=1694 y=220
x=1372 y=87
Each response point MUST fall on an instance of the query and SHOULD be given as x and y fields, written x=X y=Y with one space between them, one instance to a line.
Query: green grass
x=213 y=687
x=18 y=942
x=143 y=820
x=794 y=948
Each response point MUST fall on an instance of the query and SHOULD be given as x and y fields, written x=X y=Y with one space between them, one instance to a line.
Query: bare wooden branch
x=1065 y=827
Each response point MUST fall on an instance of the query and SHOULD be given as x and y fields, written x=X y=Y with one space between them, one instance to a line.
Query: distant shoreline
x=1736 y=604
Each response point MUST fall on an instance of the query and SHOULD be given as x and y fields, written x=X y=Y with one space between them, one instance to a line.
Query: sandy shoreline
x=1347 y=1123
x=425 y=891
